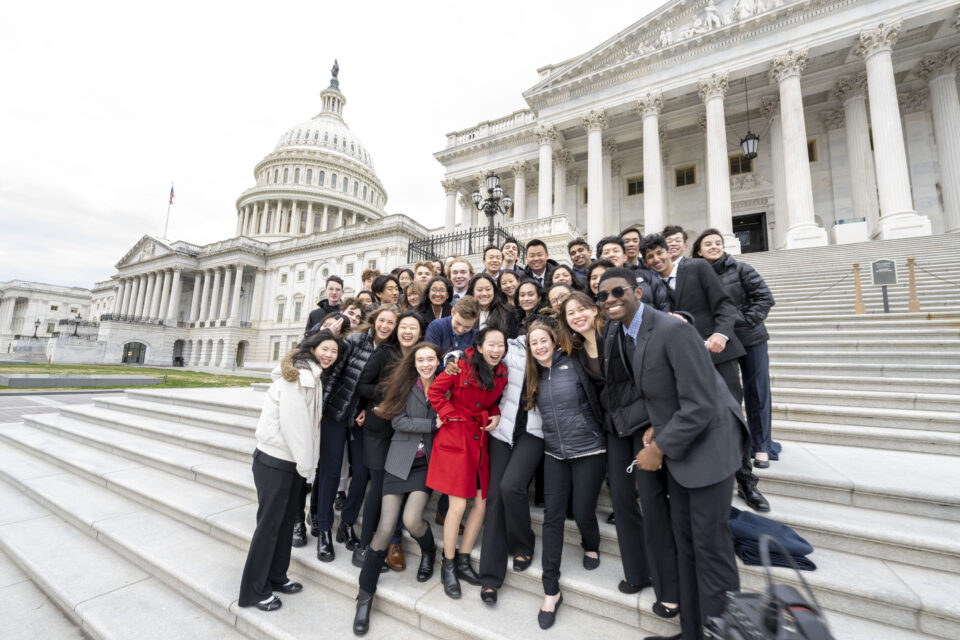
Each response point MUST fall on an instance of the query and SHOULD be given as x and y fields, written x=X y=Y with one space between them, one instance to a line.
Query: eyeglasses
x=616 y=292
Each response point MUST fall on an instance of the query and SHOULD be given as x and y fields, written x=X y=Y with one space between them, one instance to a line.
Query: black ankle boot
x=428 y=556
x=361 y=621
x=325 y=552
x=299 y=535
x=448 y=575
x=346 y=535
x=465 y=572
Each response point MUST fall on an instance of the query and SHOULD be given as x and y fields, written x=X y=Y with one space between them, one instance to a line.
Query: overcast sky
x=104 y=103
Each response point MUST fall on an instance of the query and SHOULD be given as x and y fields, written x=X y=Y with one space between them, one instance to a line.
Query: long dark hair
x=399 y=384
x=574 y=279
x=483 y=373
x=498 y=315
x=695 y=247
x=416 y=316
x=548 y=324
x=371 y=320
x=516 y=295
x=303 y=353
x=568 y=339
x=425 y=308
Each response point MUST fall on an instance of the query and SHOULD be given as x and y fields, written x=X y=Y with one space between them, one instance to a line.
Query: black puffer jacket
x=750 y=296
x=339 y=394
x=654 y=291
x=370 y=388
x=570 y=409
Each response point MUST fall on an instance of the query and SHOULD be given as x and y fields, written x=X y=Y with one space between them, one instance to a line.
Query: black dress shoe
x=664 y=611
x=761 y=464
x=465 y=572
x=346 y=536
x=357 y=559
x=488 y=595
x=340 y=500
x=314 y=527
x=522 y=565
x=448 y=576
x=289 y=587
x=612 y=518
x=676 y=637
x=325 y=552
x=271 y=604
x=425 y=570
x=752 y=496
x=629 y=587
x=590 y=563
x=546 y=618
x=361 y=621
x=299 y=535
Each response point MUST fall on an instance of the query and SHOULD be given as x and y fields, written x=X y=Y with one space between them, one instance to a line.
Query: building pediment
x=147 y=248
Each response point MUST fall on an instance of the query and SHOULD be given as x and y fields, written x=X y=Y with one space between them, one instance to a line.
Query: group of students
x=624 y=369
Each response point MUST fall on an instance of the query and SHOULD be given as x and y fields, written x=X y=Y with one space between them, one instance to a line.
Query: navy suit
x=440 y=332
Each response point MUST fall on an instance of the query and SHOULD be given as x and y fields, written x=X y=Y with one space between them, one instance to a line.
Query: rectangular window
x=635 y=185
x=54 y=307
x=349 y=270
x=74 y=309
x=276 y=350
x=283 y=278
x=297 y=308
x=51 y=327
x=371 y=264
x=280 y=312
x=584 y=195
x=300 y=276
x=812 y=150
x=685 y=176
x=739 y=164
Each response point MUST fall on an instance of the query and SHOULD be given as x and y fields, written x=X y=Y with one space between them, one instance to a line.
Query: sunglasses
x=616 y=292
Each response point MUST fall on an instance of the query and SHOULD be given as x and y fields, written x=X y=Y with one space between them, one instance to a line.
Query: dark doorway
x=751 y=230
x=134 y=353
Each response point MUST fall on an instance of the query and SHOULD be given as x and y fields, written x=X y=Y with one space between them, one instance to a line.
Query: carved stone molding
x=747 y=182
x=770 y=107
x=594 y=121
x=882 y=38
x=520 y=168
x=702 y=121
x=713 y=87
x=787 y=64
x=615 y=168
x=933 y=65
x=832 y=119
x=450 y=187
x=852 y=86
x=914 y=102
x=609 y=146
x=546 y=134
x=562 y=157
x=650 y=104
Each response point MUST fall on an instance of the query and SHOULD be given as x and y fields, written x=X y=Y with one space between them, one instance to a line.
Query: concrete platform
x=32 y=380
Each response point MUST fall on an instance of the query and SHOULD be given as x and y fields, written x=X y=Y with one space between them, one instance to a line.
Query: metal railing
x=458 y=243
x=116 y=317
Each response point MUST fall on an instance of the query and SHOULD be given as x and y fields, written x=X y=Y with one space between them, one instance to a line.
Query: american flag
x=171 y=193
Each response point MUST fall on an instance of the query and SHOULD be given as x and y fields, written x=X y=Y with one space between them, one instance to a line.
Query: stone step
x=818 y=317
x=799 y=365
x=867 y=343
x=865 y=383
x=103 y=594
x=905 y=322
x=916 y=440
x=946 y=421
x=894 y=398
x=864 y=333
x=208 y=418
x=236 y=400
x=901 y=482
x=815 y=355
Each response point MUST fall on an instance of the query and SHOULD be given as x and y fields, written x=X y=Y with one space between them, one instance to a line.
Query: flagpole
x=166 y=223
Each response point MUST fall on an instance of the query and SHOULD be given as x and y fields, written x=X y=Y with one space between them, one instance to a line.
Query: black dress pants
x=658 y=534
x=278 y=490
x=333 y=435
x=626 y=509
x=581 y=477
x=506 y=524
x=371 y=506
x=705 y=555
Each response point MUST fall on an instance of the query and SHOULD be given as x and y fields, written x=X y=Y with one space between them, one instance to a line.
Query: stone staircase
x=133 y=514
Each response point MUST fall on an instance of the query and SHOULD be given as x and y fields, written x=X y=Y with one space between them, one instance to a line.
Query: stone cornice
x=395 y=224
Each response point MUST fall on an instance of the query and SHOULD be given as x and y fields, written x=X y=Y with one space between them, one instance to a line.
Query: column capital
x=914 y=102
x=770 y=107
x=595 y=120
x=714 y=87
x=520 y=168
x=650 y=104
x=546 y=134
x=832 y=119
x=882 y=38
x=609 y=146
x=852 y=86
x=786 y=65
x=615 y=167
x=934 y=65
x=562 y=157
x=450 y=187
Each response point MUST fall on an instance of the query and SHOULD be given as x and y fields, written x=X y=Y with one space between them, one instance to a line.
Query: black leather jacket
x=751 y=296
x=570 y=409
x=339 y=395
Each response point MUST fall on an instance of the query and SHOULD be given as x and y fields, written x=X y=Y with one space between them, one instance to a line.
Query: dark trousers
x=278 y=487
x=730 y=372
x=506 y=524
x=658 y=534
x=755 y=367
x=581 y=477
x=705 y=556
x=371 y=506
x=624 y=495
x=333 y=435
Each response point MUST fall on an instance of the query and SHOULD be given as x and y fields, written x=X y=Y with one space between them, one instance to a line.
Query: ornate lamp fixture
x=495 y=202
x=751 y=141
x=76 y=326
x=36 y=327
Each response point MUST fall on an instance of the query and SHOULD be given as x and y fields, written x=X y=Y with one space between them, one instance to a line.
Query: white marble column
x=311 y=218
x=649 y=107
x=546 y=136
x=897 y=216
x=277 y=217
x=204 y=298
x=153 y=294
x=239 y=221
x=852 y=92
x=719 y=211
x=225 y=298
x=117 y=299
x=519 y=170
x=141 y=287
x=214 y=295
x=450 y=189
x=255 y=314
x=237 y=284
x=148 y=295
x=560 y=159
x=770 y=110
x=340 y=222
x=294 y=218
x=195 y=300
x=6 y=313
x=802 y=229
x=165 y=294
x=323 y=219
x=594 y=122
x=609 y=148
x=174 y=306
x=940 y=71
x=127 y=296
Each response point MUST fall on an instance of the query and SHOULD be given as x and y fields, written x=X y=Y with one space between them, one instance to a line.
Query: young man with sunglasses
x=686 y=433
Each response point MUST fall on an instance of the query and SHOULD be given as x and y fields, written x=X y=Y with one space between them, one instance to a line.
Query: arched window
x=364 y=192
x=276 y=175
x=309 y=176
x=356 y=187
x=303 y=222
x=352 y=148
x=336 y=140
x=345 y=183
x=286 y=174
x=320 y=178
x=316 y=134
x=326 y=136
x=296 y=175
x=333 y=181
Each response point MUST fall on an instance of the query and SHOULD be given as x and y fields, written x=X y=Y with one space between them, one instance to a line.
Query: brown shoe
x=395 y=558
x=439 y=519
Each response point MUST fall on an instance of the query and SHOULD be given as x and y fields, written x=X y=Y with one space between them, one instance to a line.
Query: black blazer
x=697 y=423
x=700 y=293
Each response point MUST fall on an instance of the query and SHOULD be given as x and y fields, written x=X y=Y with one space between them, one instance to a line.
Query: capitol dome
x=318 y=178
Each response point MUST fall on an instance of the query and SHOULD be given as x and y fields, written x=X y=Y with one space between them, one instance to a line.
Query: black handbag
x=780 y=613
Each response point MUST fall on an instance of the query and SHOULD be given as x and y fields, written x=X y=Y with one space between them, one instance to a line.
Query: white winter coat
x=289 y=422
x=515 y=360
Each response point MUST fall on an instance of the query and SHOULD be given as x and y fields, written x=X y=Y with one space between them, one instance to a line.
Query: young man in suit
x=613 y=248
x=538 y=261
x=697 y=435
x=579 y=252
x=456 y=331
x=693 y=287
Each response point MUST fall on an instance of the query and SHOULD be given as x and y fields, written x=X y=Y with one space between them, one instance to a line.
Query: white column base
x=731 y=244
x=904 y=225
x=808 y=235
x=851 y=232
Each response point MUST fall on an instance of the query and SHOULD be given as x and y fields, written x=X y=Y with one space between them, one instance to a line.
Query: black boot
x=299 y=535
x=747 y=490
x=346 y=535
x=325 y=552
x=428 y=555
x=448 y=575
x=361 y=621
x=465 y=571
x=314 y=527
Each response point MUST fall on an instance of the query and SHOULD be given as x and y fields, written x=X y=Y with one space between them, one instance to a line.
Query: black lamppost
x=495 y=202
x=36 y=327
x=76 y=327
x=751 y=140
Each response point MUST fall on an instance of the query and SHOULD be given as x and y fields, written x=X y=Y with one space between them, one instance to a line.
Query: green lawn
x=176 y=378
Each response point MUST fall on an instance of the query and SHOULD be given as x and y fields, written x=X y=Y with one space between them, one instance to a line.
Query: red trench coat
x=459 y=454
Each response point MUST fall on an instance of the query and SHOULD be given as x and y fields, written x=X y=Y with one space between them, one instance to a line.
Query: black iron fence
x=116 y=317
x=458 y=243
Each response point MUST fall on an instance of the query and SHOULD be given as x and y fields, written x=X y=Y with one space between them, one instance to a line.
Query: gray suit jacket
x=409 y=427
x=697 y=423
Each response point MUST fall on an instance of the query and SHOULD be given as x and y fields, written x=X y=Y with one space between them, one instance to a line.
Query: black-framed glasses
x=616 y=292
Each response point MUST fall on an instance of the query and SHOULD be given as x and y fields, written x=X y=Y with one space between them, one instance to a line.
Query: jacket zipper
x=553 y=409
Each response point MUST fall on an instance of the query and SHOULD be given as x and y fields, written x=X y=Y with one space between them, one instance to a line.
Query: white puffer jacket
x=511 y=400
x=289 y=422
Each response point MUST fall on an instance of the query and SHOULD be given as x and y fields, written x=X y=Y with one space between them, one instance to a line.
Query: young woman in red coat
x=466 y=406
